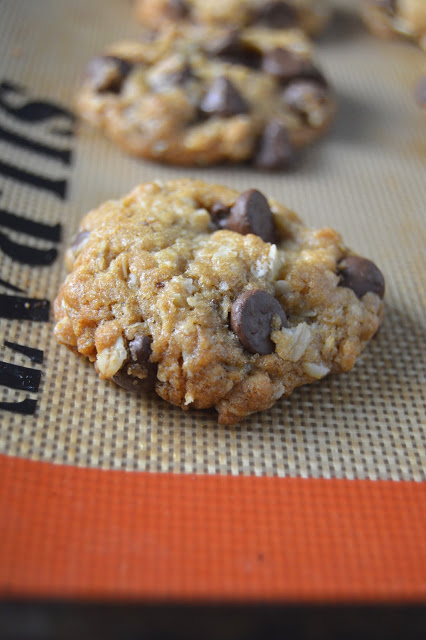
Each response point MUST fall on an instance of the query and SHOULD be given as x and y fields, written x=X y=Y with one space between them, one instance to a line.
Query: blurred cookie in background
x=396 y=18
x=196 y=97
x=309 y=15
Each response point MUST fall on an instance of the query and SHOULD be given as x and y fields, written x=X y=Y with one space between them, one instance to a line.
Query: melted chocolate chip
x=251 y=214
x=251 y=318
x=361 y=275
x=223 y=99
x=107 y=73
x=230 y=48
x=140 y=352
x=276 y=15
x=275 y=149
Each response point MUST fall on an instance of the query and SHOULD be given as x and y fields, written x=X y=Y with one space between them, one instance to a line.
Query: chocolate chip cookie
x=214 y=298
x=309 y=15
x=210 y=97
x=400 y=18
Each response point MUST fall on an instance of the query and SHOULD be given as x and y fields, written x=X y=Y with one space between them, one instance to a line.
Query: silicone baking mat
x=104 y=494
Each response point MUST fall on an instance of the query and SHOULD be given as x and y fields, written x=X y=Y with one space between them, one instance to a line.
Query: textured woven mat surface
x=367 y=179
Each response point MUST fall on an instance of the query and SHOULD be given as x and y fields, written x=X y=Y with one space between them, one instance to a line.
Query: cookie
x=231 y=96
x=214 y=298
x=397 y=18
x=309 y=15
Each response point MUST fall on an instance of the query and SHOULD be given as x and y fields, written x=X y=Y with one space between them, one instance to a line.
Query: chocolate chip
x=299 y=95
x=223 y=99
x=79 y=240
x=251 y=317
x=275 y=149
x=140 y=349
x=107 y=73
x=178 y=9
x=227 y=44
x=420 y=92
x=361 y=275
x=219 y=212
x=286 y=65
x=229 y=47
x=132 y=383
x=283 y=63
x=276 y=15
x=140 y=352
x=251 y=214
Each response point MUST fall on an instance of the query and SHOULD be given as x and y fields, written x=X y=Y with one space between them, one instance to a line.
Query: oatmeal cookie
x=309 y=15
x=214 y=298
x=214 y=97
x=401 y=18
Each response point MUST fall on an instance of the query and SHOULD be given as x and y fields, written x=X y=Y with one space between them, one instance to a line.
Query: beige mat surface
x=367 y=180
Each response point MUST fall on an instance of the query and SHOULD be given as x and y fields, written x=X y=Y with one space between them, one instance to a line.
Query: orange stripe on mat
x=66 y=531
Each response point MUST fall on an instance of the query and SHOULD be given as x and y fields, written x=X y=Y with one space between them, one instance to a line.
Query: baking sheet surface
x=366 y=179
